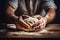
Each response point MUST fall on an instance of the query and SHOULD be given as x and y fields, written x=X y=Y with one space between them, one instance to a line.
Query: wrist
x=15 y=17
x=46 y=19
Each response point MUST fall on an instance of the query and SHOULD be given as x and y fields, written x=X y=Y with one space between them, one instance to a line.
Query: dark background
x=56 y=21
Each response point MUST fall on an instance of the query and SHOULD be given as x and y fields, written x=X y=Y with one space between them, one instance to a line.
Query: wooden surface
x=54 y=28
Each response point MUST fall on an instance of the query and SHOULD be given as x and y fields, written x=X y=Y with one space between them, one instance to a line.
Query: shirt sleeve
x=49 y=4
x=13 y=3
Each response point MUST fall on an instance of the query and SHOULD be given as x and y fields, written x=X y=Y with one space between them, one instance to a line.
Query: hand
x=21 y=28
x=42 y=23
x=23 y=25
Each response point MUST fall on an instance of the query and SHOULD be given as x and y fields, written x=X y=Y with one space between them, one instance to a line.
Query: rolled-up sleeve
x=49 y=4
x=13 y=3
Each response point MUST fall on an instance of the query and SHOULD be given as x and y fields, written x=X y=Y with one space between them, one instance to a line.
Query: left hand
x=43 y=22
x=22 y=25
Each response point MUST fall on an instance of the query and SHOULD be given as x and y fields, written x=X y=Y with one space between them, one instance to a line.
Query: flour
x=44 y=31
x=13 y=26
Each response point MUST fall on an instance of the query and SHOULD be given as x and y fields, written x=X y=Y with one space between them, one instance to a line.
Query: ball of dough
x=31 y=20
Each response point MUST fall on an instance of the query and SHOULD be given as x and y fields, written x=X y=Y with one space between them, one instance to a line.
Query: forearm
x=50 y=15
x=11 y=13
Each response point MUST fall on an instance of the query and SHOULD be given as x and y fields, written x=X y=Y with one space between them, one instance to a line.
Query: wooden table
x=54 y=28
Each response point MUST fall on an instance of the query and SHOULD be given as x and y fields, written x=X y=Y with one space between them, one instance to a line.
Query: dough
x=31 y=20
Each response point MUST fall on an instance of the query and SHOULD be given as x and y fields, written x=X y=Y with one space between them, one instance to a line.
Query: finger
x=35 y=27
x=38 y=28
x=23 y=29
x=23 y=23
x=43 y=24
x=19 y=27
x=36 y=24
x=30 y=23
